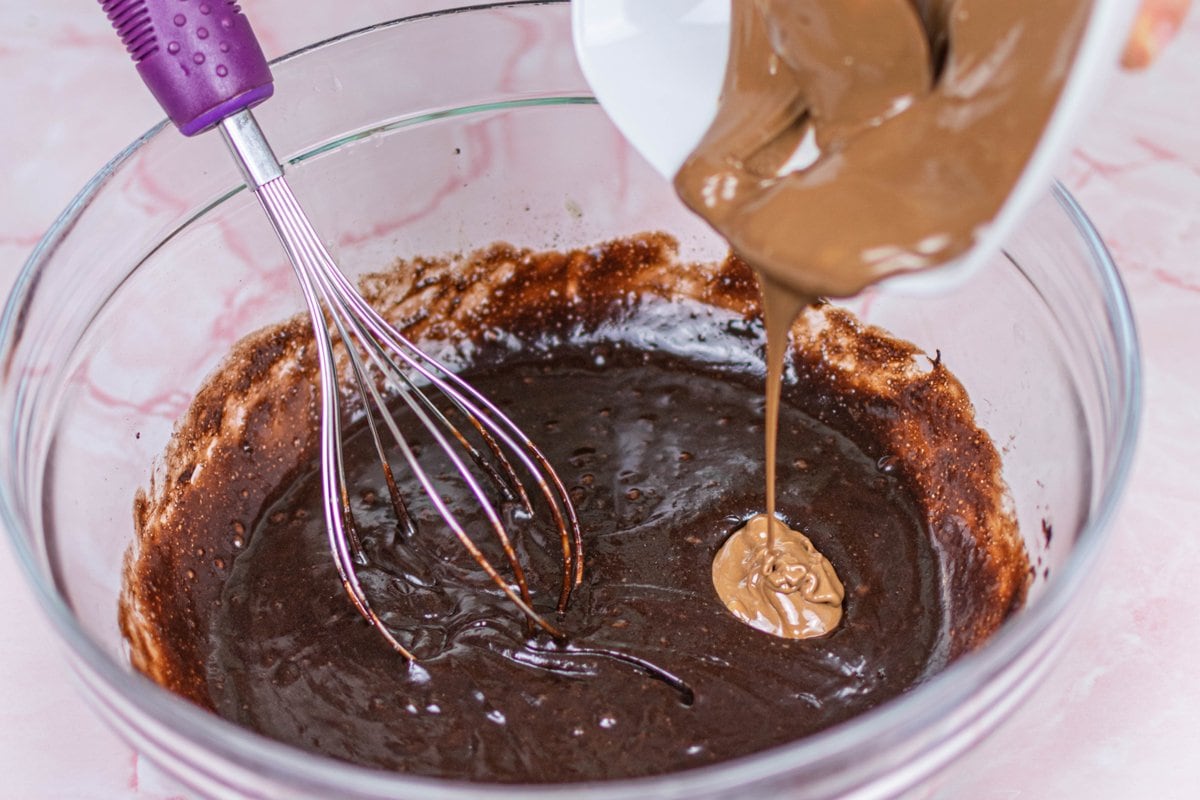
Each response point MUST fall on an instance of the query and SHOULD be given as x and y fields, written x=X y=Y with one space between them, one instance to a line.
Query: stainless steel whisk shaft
x=376 y=353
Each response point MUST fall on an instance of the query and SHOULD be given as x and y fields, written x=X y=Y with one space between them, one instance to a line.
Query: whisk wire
x=329 y=295
x=466 y=397
x=389 y=372
x=404 y=517
x=295 y=245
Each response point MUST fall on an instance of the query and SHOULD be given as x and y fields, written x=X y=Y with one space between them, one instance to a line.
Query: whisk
x=205 y=67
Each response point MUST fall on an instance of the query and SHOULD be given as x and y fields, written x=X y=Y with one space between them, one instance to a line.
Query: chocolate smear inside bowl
x=640 y=377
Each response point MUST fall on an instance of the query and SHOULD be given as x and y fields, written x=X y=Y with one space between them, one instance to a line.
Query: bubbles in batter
x=786 y=587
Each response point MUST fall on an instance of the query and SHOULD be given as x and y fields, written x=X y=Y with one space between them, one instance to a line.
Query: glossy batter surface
x=664 y=458
x=649 y=403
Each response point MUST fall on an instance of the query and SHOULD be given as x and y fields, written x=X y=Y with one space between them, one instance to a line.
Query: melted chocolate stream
x=780 y=309
x=920 y=117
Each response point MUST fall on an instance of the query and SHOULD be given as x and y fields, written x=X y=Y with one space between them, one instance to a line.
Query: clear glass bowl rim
x=944 y=691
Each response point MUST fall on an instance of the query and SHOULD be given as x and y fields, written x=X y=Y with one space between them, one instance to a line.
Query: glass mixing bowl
x=439 y=134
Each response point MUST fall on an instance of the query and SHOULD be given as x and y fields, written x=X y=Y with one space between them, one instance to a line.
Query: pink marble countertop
x=1117 y=718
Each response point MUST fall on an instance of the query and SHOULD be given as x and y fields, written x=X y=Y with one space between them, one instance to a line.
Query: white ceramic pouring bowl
x=657 y=68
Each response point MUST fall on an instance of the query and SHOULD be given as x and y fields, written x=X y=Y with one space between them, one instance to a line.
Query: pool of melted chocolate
x=641 y=380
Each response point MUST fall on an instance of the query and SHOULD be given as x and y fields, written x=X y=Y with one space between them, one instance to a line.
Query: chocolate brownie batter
x=640 y=377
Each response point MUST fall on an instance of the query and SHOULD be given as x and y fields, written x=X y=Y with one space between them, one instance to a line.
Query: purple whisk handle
x=199 y=58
